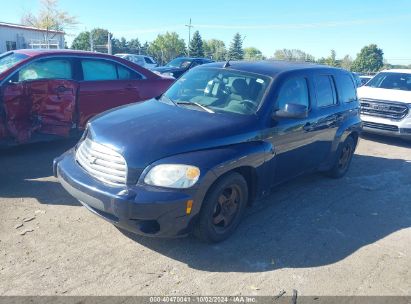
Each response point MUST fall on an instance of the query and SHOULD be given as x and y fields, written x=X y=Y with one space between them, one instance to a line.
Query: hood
x=148 y=131
x=384 y=94
x=165 y=69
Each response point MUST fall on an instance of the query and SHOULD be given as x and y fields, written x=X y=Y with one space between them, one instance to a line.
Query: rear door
x=105 y=85
x=40 y=97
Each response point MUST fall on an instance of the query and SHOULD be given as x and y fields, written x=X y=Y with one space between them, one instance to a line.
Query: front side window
x=325 y=91
x=94 y=70
x=182 y=63
x=293 y=91
x=148 y=60
x=9 y=60
x=393 y=81
x=46 y=69
x=219 y=90
x=345 y=89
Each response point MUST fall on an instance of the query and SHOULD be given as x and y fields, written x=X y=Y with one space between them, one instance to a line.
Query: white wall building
x=16 y=36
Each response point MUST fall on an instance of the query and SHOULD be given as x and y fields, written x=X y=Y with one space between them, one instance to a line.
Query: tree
x=196 y=45
x=370 y=59
x=49 y=18
x=236 y=52
x=293 y=55
x=346 y=62
x=332 y=59
x=252 y=53
x=99 y=39
x=81 y=42
x=215 y=49
x=166 y=47
x=134 y=46
x=120 y=45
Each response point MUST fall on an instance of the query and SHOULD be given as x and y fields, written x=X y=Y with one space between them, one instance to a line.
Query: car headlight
x=173 y=176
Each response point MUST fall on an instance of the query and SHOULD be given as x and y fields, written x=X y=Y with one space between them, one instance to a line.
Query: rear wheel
x=344 y=156
x=222 y=209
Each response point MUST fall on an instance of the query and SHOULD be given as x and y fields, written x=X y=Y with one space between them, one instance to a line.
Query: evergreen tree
x=196 y=45
x=236 y=51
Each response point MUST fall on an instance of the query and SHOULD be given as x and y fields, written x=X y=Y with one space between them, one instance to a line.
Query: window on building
x=11 y=45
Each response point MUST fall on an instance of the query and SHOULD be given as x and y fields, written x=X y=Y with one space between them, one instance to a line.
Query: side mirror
x=292 y=110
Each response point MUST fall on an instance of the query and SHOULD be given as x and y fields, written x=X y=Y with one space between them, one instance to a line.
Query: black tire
x=222 y=209
x=343 y=160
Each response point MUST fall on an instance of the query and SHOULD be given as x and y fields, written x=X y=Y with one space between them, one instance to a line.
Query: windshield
x=9 y=60
x=220 y=90
x=179 y=63
x=394 y=81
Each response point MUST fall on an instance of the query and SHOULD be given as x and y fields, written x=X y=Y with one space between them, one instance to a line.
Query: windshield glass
x=9 y=60
x=394 y=81
x=220 y=90
x=179 y=63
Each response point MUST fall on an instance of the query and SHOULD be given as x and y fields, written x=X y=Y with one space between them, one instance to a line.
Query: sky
x=314 y=26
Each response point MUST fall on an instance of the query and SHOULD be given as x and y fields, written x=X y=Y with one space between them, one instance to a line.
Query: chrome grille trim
x=384 y=109
x=102 y=163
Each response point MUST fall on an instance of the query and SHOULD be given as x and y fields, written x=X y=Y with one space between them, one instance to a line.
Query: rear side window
x=98 y=70
x=127 y=74
x=325 y=91
x=294 y=91
x=46 y=69
x=345 y=89
x=148 y=60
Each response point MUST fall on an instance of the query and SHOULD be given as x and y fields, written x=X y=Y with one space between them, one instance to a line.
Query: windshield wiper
x=196 y=104
x=168 y=99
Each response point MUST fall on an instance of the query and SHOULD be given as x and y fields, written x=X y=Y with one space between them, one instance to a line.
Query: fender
x=351 y=124
x=213 y=163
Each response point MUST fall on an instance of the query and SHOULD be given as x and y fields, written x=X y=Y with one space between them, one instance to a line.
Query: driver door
x=291 y=137
x=40 y=97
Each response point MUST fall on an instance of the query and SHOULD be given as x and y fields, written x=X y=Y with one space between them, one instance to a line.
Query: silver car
x=142 y=60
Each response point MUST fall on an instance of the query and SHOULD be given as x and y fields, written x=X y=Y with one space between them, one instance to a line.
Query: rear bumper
x=387 y=127
x=140 y=209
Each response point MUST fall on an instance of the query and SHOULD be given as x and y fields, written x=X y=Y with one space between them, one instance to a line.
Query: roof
x=270 y=67
x=407 y=71
x=37 y=52
x=25 y=27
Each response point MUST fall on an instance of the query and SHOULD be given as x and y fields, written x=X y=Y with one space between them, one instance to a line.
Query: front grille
x=379 y=126
x=384 y=109
x=102 y=162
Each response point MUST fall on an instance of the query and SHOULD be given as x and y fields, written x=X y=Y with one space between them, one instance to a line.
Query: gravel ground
x=316 y=235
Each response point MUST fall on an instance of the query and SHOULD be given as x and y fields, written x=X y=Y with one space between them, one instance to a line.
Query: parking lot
x=317 y=235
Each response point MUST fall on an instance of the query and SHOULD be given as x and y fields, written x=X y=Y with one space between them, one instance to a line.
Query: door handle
x=62 y=89
x=130 y=87
x=308 y=127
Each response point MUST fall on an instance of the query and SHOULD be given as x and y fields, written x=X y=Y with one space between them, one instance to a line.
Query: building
x=16 y=36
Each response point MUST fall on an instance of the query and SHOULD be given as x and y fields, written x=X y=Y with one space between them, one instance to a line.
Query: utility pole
x=190 y=26
x=91 y=42
x=109 y=46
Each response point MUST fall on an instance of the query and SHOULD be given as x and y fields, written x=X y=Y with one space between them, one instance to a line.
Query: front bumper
x=387 y=127
x=140 y=209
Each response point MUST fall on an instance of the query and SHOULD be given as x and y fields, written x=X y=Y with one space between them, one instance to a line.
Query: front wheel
x=343 y=160
x=222 y=208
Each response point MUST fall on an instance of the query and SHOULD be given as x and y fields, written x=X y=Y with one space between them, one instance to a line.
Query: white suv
x=386 y=103
x=142 y=60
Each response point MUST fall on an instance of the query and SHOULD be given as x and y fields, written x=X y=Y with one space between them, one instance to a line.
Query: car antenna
x=227 y=64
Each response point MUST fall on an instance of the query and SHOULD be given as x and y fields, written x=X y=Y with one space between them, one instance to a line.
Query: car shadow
x=388 y=140
x=309 y=222
x=26 y=171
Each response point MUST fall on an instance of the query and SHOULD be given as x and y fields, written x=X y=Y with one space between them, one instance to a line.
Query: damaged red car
x=47 y=94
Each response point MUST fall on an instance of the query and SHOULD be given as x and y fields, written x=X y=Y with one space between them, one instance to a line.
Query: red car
x=53 y=93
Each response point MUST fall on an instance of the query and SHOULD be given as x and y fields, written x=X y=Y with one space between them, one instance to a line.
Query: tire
x=343 y=160
x=222 y=209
